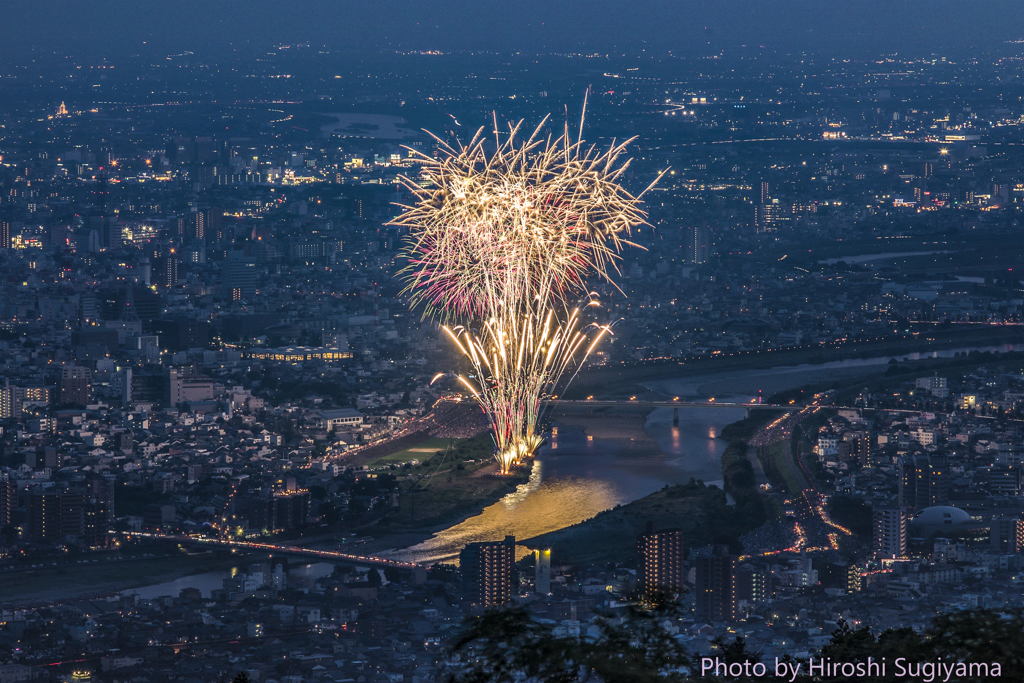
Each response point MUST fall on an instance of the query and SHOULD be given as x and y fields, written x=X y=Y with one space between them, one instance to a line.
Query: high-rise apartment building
x=75 y=385
x=660 y=561
x=165 y=270
x=486 y=570
x=715 y=591
x=13 y=399
x=923 y=481
x=697 y=244
x=890 y=532
x=1007 y=534
x=542 y=572
x=101 y=488
x=7 y=401
x=239 y=276
x=761 y=208
x=854 y=581
x=866 y=449
x=281 y=510
x=95 y=525
x=291 y=508
x=53 y=516
x=8 y=500
x=753 y=586
x=198 y=223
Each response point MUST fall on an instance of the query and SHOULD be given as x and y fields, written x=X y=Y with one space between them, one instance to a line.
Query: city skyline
x=236 y=444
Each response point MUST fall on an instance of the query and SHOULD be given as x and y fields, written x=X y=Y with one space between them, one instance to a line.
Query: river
x=210 y=581
x=750 y=385
x=884 y=256
x=573 y=479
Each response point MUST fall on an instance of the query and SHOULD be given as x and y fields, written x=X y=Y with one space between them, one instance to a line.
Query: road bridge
x=321 y=555
x=669 y=404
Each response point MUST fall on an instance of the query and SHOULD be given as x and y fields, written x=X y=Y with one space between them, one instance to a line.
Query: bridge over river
x=592 y=403
x=320 y=555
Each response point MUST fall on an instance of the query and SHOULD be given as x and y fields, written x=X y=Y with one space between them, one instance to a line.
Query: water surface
x=572 y=479
x=210 y=581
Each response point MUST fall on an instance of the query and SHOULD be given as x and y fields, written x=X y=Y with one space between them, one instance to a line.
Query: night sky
x=849 y=27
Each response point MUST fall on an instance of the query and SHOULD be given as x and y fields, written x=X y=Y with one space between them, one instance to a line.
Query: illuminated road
x=809 y=500
x=268 y=547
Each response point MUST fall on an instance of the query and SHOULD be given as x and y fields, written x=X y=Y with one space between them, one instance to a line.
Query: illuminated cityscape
x=718 y=321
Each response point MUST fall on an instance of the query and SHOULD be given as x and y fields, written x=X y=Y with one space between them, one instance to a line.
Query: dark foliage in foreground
x=506 y=645
x=976 y=636
x=503 y=646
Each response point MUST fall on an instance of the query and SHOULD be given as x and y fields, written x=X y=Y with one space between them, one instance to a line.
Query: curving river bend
x=573 y=479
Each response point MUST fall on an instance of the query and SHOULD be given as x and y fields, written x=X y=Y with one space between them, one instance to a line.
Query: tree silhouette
x=981 y=636
x=506 y=645
x=857 y=645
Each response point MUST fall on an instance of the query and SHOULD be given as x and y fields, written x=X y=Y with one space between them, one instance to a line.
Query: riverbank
x=620 y=381
x=752 y=384
x=700 y=511
x=444 y=490
x=449 y=509
x=49 y=585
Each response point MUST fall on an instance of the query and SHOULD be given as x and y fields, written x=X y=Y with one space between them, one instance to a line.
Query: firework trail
x=517 y=365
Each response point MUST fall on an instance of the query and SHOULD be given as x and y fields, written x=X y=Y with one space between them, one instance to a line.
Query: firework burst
x=526 y=223
x=499 y=244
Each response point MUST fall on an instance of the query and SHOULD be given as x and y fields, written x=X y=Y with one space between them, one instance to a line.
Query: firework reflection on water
x=582 y=478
